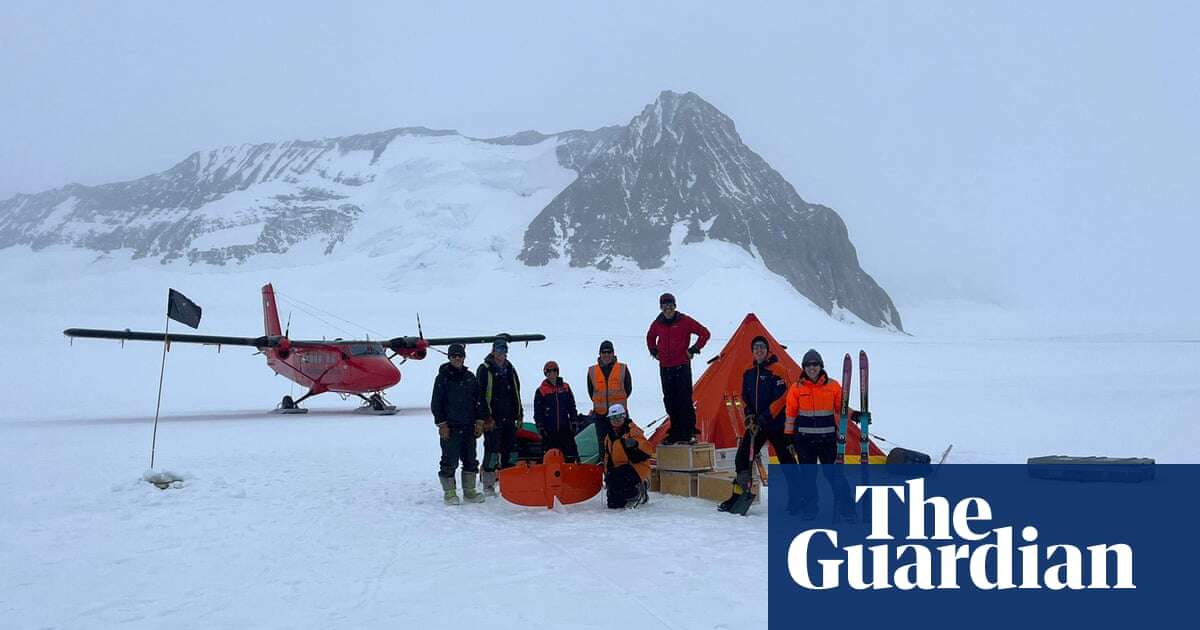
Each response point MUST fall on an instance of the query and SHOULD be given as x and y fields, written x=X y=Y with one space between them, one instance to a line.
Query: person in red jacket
x=813 y=408
x=669 y=341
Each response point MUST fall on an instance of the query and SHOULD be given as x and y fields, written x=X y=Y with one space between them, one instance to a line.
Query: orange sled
x=535 y=485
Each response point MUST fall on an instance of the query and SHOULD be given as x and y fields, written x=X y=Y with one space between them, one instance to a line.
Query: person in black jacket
x=553 y=411
x=458 y=412
x=764 y=391
x=503 y=413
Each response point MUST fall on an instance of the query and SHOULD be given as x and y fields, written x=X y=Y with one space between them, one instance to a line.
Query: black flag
x=182 y=310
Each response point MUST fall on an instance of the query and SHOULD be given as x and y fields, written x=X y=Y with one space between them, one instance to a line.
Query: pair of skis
x=864 y=415
x=864 y=420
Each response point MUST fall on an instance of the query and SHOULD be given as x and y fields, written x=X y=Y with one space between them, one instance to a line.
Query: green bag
x=589 y=449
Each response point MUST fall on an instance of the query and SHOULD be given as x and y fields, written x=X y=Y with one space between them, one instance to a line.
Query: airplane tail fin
x=270 y=313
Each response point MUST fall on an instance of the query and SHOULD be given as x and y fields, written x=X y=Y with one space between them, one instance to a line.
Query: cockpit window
x=365 y=349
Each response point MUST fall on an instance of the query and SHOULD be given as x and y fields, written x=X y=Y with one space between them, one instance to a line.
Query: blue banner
x=982 y=546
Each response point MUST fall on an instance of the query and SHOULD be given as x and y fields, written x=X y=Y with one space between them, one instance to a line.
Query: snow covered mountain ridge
x=614 y=199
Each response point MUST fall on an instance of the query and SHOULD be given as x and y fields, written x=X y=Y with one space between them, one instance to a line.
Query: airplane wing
x=134 y=335
x=394 y=344
x=398 y=343
x=445 y=341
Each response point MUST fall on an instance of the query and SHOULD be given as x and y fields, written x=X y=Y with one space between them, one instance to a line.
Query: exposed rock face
x=681 y=161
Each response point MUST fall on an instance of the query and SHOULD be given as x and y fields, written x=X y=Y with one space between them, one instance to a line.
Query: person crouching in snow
x=553 y=410
x=627 y=461
x=764 y=389
x=458 y=412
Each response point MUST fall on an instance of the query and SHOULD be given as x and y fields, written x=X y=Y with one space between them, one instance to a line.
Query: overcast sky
x=1003 y=151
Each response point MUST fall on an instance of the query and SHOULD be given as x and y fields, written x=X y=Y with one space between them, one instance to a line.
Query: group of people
x=799 y=419
x=487 y=404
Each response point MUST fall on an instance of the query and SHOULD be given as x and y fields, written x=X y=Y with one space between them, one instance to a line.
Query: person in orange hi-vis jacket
x=626 y=461
x=813 y=407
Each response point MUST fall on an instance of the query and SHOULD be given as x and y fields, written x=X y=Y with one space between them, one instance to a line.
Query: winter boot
x=740 y=502
x=469 y=492
x=449 y=496
x=488 y=477
x=725 y=505
x=643 y=496
x=744 y=501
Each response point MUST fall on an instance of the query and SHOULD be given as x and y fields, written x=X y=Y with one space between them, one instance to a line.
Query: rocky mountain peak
x=681 y=162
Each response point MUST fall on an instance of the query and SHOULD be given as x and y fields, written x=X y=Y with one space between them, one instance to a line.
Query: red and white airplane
x=359 y=368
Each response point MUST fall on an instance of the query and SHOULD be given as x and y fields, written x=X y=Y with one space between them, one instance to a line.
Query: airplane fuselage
x=356 y=368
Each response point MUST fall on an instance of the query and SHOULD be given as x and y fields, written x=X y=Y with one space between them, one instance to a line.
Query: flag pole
x=161 y=371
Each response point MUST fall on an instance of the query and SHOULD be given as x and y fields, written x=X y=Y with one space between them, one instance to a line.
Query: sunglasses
x=458 y=356
x=667 y=304
x=808 y=365
x=606 y=352
x=551 y=371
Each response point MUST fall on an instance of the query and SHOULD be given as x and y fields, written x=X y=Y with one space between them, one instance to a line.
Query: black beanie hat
x=457 y=348
x=666 y=298
x=606 y=345
x=758 y=339
x=812 y=356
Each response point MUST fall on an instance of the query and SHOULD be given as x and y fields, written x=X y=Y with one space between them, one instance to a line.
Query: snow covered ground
x=334 y=519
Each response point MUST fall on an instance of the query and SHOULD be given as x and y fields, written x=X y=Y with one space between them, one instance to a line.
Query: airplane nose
x=382 y=373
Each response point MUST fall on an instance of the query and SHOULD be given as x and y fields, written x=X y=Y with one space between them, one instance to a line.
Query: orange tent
x=722 y=381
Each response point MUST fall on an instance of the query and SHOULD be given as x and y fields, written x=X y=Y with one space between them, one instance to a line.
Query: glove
x=654 y=352
x=693 y=351
x=478 y=428
x=443 y=430
x=630 y=443
x=489 y=424
x=751 y=422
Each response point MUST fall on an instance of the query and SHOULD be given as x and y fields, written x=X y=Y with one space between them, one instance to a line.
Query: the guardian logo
x=988 y=564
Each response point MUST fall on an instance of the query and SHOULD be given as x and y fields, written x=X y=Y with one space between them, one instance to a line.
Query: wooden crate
x=654 y=481
x=725 y=459
x=682 y=484
x=716 y=486
x=697 y=457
